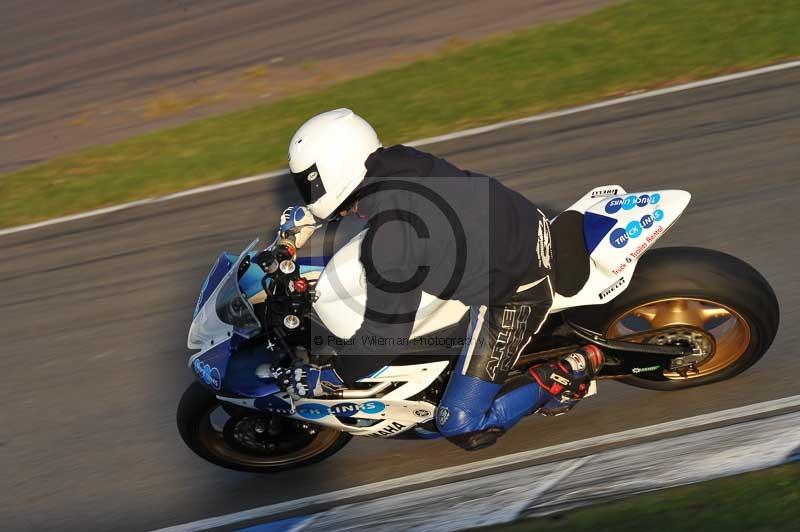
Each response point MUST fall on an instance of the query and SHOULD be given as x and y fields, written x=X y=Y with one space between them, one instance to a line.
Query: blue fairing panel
x=241 y=379
x=319 y=262
x=229 y=368
x=595 y=228
x=251 y=280
x=210 y=366
x=218 y=271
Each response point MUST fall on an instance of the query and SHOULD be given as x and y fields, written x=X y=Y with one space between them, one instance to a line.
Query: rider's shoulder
x=399 y=160
x=402 y=151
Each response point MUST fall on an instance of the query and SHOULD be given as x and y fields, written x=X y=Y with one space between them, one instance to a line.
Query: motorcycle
x=688 y=317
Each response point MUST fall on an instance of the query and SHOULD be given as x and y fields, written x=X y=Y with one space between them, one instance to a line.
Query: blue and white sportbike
x=667 y=319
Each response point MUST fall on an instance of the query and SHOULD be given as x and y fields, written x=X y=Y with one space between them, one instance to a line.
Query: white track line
x=422 y=142
x=374 y=489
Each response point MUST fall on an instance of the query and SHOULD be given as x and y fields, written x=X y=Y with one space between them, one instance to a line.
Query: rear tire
x=704 y=280
x=292 y=448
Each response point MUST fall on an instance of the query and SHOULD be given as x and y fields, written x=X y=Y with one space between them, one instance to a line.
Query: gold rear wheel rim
x=727 y=328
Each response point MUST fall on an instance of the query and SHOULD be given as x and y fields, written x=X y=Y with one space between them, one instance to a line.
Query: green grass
x=635 y=45
x=766 y=501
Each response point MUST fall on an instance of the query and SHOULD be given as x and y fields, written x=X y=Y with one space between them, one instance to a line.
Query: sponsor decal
x=421 y=413
x=618 y=237
x=512 y=330
x=639 y=250
x=344 y=409
x=644 y=370
x=578 y=363
x=317 y=411
x=649 y=239
x=610 y=290
x=313 y=410
x=389 y=430
x=634 y=229
x=544 y=250
x=209 y=374
x=372 y=407
x=613 y=205
x=629 y=203
x=442 y=415
x=619 y=269
x=273 y=404
x=604 y=192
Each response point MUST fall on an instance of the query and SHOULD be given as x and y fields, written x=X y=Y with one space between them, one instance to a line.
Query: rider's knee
x=462 y=427
x=452 y=420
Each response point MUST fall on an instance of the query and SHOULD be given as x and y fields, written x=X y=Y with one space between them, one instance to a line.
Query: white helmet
x=327 y=156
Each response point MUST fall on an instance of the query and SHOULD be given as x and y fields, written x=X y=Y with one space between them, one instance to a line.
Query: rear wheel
x=246 y=440
x=696 y=297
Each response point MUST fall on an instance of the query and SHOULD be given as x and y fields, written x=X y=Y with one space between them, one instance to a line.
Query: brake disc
x=700 y=341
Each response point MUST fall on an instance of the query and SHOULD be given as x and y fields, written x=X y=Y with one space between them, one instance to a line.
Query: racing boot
x=568 y=379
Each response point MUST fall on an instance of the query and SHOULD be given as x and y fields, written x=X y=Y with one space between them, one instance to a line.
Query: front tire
x=692 y=294
x=248 y=440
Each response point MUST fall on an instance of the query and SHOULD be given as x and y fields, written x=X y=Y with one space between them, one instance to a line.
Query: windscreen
x=226 y=311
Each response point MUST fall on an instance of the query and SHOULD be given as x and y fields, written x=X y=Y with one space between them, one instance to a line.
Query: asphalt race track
x=81 y=73
x=94 y=313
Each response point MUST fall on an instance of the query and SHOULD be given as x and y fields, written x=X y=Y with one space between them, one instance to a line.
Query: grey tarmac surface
x=560 y=485
x=86 y=72
x=94 y=313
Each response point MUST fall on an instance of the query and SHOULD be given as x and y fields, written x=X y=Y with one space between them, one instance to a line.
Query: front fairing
x=210 y=366
x=224 y=324
x=230 y=350
x=221 y=267
x=230 y=368
x=224 y=309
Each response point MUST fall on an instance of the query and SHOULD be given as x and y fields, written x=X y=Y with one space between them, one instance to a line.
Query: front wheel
x=692 y=296
x=246 y=440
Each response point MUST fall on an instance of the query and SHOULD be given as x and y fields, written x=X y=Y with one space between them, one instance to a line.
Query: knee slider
x=474 y=441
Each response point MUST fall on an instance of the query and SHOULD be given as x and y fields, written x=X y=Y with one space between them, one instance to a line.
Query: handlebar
x=289 y=295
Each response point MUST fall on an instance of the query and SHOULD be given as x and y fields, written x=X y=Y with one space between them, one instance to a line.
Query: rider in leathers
x=452 y=233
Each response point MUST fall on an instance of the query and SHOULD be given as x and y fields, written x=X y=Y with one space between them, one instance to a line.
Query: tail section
x=618 y=228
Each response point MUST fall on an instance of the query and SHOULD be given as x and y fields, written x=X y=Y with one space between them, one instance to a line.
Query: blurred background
x=86 y=73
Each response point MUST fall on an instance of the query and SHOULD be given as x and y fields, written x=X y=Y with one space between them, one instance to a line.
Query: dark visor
x=309 y=183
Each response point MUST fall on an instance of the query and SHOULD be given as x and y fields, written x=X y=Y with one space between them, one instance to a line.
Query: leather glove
x=298 y=221
x=304 y=381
